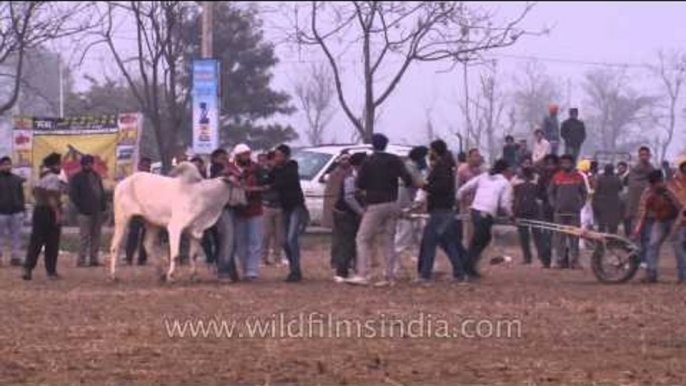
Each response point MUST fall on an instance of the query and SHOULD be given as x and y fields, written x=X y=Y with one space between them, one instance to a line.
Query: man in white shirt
x=493 y=193
x=541 y=147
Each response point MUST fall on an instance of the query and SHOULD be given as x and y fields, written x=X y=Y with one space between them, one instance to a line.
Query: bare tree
x=154 y=71
x=27 y=25
x=485 y=126
x=670 y=70
x=618 y=113
x=534 y=91
x=315 y=92
x=425 y=31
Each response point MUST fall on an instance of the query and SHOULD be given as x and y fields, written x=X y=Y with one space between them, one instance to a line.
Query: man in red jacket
x=248 y=220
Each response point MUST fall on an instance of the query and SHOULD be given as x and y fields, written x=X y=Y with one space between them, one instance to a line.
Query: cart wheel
x=614 y=262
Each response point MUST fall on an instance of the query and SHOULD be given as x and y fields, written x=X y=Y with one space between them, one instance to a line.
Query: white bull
x=184 y=202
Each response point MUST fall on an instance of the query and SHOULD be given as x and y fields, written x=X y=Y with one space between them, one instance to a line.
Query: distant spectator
x=87 y=194
x=606 y=201
x=526 y=206
x=541 y=147
x=551 y=128
x=573 y=131
x=510 y=152
x=12 y=207
x=567 y=194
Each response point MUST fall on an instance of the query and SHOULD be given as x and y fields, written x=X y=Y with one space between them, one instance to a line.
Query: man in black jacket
x=11 y=210
x=573 y=131
x=378 y=178
x=88 y=196
x=285 y=180
x=440 y=230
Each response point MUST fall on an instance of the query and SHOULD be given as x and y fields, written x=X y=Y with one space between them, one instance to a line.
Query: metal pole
x=206 y=29
x=60 y=69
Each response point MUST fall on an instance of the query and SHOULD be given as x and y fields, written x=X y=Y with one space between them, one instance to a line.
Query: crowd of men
x=372 y=199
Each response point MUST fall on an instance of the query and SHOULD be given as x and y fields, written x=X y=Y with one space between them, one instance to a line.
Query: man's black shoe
x=27 y=274
x=294 y=277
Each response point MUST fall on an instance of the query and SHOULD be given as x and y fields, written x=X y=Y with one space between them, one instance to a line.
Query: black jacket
x=11 y=194
x=87 y=201
x=379 y=175
x=285 y=180
x=440 y=185
x=573 y=131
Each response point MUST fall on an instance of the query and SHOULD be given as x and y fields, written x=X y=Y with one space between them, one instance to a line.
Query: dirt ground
x=86 y=330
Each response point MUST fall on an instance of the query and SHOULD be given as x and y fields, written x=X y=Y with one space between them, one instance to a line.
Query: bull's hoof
x=113 y=279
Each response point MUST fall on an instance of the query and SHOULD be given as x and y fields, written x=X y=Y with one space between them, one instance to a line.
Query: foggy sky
x=581 y=32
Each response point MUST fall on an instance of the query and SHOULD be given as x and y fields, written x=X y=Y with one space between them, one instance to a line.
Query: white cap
x=241 y=148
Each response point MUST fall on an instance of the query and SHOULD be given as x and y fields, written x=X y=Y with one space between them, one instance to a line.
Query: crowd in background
x=374 y=199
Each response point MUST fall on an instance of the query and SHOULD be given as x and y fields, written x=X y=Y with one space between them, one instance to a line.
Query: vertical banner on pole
x=205 y=105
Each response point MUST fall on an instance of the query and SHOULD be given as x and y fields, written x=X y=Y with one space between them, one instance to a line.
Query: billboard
x=205 y=105
x=113 y=140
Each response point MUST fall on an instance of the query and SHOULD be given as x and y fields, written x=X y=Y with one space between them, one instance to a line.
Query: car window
x=310 y=163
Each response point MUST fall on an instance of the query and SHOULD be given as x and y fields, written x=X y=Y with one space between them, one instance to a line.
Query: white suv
x=315 y=164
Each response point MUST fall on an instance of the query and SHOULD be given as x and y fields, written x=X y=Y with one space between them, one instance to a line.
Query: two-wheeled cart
x=615 y=259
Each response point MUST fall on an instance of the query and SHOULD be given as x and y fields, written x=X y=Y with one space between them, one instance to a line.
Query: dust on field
x=85 y=329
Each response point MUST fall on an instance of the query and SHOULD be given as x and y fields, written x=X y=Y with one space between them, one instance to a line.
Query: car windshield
x=310 y=163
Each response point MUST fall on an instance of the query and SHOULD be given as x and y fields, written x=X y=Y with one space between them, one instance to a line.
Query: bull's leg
x=174 y=244
x=193 y=255
x=120 y=225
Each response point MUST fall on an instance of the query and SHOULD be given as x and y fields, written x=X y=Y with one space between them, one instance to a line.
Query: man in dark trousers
x=285 y=179
x=573 y=131
x=47 y=219
x=378 y=179
x=88 y=196
x=347 y=214
x=134 y=241
x=439 y=230
x=12 y=209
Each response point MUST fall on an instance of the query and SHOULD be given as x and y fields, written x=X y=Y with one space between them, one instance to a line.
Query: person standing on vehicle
x=678 y=186
x=347 y=215
x=46 y=221
x=567 y=195
x=664 y=207
x=134 y=240
x=378 y=179
x=285 y=179
x=439 y=230
x=606 y=201
x=87 y=194
x=493 y=192
x=12 y=210
x=637 y=183
x=573 y=131
x=551 y=128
